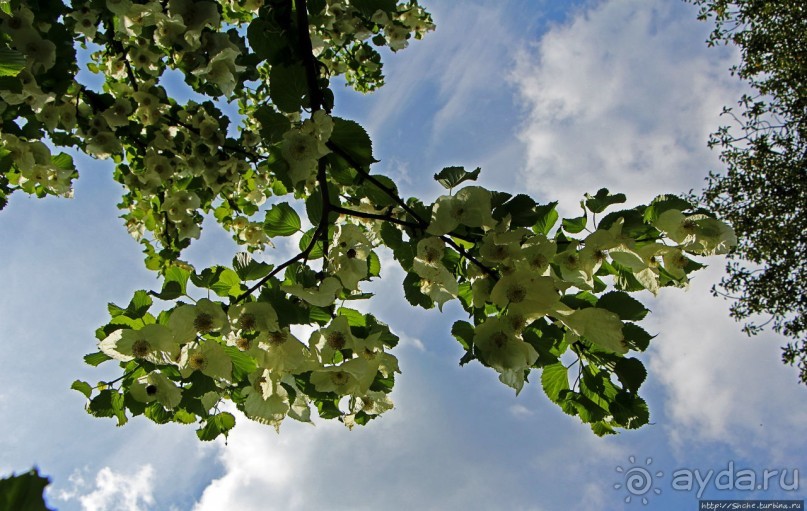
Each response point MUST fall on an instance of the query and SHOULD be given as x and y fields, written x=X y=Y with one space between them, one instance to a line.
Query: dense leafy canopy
x=763 y=191
x=275 y=336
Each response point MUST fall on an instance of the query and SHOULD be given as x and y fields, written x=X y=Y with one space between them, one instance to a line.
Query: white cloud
x=722 y=386
x=624 y=97
x=451 y=443
x=114 y=491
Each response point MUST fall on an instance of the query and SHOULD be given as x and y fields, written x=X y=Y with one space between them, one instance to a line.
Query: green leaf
x=630 y=411
x=373 y=265
x=521 y=209
x=625 y=279
x=467 y=357
x=288 y=87
x=369 y=7
x=581 y=300
x=200 y=385
x=94 y=359
x=548 y=340
x=11 y=62
x=351 y=138
x=382 y=384
x=631 y=372
x=63 y=161
x=249 y=269
x=547 y=217
x=633 y=225
x=108 y=403
x=328 y=408
x=413 y=294
x=83 y=387
x=157 y=413
x=281 y=220
x=316 y=6
x=602 y=199
x=624 y=305
x=664 y=203
x=636 y=337
x=354 y=317
x=575 y=403
x=340 y=171
x=273 y=124
x=114 y=310
x=498 y=198
x=465 y=293
x=313 y=208
x=228 y=283
x=175 y=283
x=554 y=380
x=266 y=39
x=305 y=240
x=278 y=188
x=405 y=254
x=243 y=364
x=319 y=315
x=134 y=406
x=574 y=225
x=222 y=280
x=602 y=428
x=24 y=492
x=376 y=195
x=137 y=308
x=464 y=333
x=183 y=416
x=450 y=177
x=216 y=425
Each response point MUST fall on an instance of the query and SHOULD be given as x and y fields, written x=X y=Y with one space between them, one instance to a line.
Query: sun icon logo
x=638 y=480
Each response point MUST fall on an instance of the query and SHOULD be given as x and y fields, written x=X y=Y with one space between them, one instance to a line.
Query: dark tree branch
x=309 y=61
x=374 y=216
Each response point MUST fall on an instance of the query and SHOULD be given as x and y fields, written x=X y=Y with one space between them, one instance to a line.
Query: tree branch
x=374 y=216
x=309 y=61
x=422 y=224
x=302 y=255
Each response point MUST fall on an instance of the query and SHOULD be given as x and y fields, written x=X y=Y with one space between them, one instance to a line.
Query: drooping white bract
x=152 y=343
x=470 y=207
x=188 y=321
x=156 y=387
x=499 y=347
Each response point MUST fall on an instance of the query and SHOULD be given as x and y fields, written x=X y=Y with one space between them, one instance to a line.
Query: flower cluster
x=303 y=147
x=340 y=33
x=532 y=296
x=246 y=355
x=174 y=72
x=31 y=52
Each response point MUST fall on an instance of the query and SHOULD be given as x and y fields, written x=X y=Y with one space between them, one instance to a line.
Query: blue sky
x=551 y=101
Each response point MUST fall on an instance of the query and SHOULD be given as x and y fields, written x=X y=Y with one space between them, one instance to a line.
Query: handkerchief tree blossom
x=539 y=292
